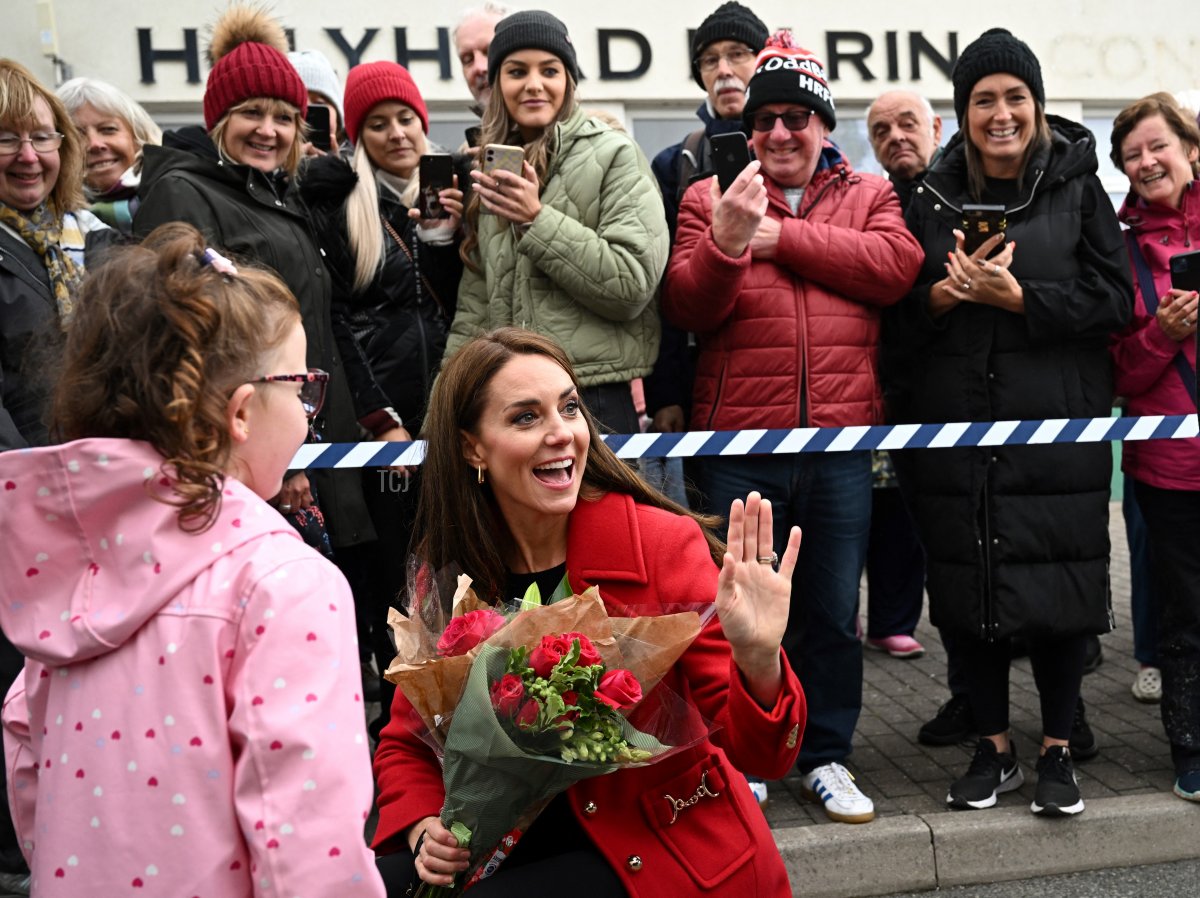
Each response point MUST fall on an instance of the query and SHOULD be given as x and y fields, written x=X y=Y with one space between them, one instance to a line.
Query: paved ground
x=905 y=777
x=916 y=843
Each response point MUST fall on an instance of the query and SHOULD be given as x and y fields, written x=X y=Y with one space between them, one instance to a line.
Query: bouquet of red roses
x=522 y=707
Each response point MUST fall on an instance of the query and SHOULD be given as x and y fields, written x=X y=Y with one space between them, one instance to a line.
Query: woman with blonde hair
x=236 y=183
x=114 y=128
x=574 y=246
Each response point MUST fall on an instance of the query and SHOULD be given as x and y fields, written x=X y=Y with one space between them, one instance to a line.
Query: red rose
x=528 y=714
x=507 y=693
x=548 y=653
x=464 y=633
x=619 y=689
x=587 y=652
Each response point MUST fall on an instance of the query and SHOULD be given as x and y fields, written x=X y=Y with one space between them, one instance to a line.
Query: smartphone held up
x=319 y=119
x=980 y=222
x=437 y=174
x=731 y=155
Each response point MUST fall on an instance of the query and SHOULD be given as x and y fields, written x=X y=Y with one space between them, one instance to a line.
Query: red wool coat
x=793 y=341
x=642 y=556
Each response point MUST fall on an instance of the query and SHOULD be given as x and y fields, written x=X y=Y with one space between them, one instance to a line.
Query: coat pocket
x=699 y=821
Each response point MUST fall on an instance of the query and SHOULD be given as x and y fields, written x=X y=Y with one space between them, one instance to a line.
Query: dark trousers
x=1057 y=671
x=1143 y=605
x=612 y=407
x=1173 y=522
x=553 y=853
x=895 y=567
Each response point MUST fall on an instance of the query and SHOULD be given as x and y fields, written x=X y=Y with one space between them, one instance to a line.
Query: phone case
x=498 y=156
x=1185 y=271
x=436 y=173
x=981 y=222
x=731 y=155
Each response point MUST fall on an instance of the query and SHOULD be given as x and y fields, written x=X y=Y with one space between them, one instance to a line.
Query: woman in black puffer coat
x=395 y=280
x=1016 y=538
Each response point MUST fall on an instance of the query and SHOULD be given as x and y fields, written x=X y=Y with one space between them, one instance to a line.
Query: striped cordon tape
x=805 y=439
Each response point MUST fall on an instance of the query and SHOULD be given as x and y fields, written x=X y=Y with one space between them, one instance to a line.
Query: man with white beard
x=723 y=51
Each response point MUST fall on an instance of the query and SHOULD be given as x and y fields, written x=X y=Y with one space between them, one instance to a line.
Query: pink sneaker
x=898 y=646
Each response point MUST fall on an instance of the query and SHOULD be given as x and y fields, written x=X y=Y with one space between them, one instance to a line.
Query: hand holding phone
x=731 y=155
x=980 y=222
x=437 y=174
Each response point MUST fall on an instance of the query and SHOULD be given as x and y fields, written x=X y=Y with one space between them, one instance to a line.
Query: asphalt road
x=1177 y=880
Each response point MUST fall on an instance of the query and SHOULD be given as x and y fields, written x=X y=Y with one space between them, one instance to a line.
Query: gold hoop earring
x=479 y=473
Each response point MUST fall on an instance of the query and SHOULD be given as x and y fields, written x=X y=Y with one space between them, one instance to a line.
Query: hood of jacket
x=1070 y=154
x=91 y=554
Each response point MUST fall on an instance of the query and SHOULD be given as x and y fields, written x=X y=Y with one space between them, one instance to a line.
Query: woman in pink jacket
x=1157 y=144
x=188 y=720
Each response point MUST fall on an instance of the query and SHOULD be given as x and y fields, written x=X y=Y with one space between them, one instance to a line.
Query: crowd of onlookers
x=985 y=279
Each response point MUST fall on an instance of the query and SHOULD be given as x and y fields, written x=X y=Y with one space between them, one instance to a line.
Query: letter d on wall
x=607 y=73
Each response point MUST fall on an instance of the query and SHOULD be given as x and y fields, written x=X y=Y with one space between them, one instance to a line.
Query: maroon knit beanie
x=251 y=70
x=374 y=82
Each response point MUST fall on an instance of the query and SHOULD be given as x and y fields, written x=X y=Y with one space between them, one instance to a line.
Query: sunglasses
x=312 y=387
x=793 y=120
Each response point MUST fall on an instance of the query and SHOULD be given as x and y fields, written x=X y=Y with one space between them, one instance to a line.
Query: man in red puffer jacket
x=782 y=279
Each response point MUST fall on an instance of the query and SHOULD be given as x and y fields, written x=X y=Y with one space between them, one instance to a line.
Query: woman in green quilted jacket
x=575 y=245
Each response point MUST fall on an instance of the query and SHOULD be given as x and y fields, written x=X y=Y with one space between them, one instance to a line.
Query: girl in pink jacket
x=188 y=722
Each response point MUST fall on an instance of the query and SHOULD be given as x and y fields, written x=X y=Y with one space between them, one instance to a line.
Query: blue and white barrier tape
x=805 y=439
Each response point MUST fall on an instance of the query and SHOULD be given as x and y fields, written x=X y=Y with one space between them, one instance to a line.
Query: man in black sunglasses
x=782 y=277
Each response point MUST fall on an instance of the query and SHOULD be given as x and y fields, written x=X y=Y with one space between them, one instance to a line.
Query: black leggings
x=1057 y=671
x=554 y=851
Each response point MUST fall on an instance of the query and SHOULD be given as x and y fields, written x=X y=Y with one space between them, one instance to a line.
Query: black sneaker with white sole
x=1057 y=793
x=991 y=772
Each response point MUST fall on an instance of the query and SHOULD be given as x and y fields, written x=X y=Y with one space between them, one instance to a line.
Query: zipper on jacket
x=988 y=611
x=717 y=399
x=1009 y=210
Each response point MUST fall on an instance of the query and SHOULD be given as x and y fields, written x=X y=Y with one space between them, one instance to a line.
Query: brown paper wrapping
x=646 y=646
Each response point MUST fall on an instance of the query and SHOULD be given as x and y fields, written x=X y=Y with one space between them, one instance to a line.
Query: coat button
x=995 y=542
x=937 y=207
x=920 y=190
x=634 y=863
x=590 y=808
x=278 y=202
x=991 y=376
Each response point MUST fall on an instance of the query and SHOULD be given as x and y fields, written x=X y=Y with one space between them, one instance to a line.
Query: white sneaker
x=759 y=790
x=833 y=786
x=1147 y=687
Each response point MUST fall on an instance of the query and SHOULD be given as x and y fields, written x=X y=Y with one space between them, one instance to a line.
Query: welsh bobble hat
x=787 y=73
x=728 y=22
x=995 y=51
x=531 y=30
x=247 y=52
x=374 y=82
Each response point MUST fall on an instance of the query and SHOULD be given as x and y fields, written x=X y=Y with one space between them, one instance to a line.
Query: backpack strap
x=693 y=161
x=1150 y=300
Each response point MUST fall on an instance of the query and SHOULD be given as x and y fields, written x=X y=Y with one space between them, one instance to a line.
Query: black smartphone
x=979 y=222
x=731 y=155
x=1185 y=271
x=437 y=174
x=318 y=118
x=473 y=134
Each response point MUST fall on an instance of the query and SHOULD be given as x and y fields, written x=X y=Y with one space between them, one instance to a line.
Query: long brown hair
x=158 y=343
x=976 y=179
x=458 y=521
x=498 y=126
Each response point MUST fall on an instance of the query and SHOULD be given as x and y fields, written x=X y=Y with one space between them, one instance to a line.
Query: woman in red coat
x=518 y=488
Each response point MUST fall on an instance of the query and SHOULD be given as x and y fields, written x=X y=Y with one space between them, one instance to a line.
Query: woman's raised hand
x=753 y=598
x=451 y=199
x=976 y=278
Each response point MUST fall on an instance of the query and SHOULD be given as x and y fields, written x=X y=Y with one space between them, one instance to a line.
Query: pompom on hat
x=993 y=52
x=531 y=30
x=248 y=59
x=728 y=22
x=787 y=73
x=372 y=83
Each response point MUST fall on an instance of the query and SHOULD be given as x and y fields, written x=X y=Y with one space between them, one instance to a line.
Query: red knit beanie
x=248 y=63
x=374 y=82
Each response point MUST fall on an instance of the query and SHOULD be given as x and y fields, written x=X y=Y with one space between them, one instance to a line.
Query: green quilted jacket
x=586 y=273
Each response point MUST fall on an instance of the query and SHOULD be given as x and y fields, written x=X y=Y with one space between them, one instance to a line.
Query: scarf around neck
x=43 y=232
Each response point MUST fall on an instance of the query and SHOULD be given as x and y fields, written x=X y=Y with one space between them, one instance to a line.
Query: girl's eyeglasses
x=312 y=387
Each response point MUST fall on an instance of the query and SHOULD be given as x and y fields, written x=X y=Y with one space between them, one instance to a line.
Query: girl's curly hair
x=159 y=341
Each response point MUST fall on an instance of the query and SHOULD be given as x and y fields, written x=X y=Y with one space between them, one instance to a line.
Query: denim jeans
x=829 y=496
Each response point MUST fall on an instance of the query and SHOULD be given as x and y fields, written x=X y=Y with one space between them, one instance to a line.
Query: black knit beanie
x=995 y=51
x=531 y=30
x=729 y=22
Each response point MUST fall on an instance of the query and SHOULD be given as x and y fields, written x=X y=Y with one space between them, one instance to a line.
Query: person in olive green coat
x=575 y=246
